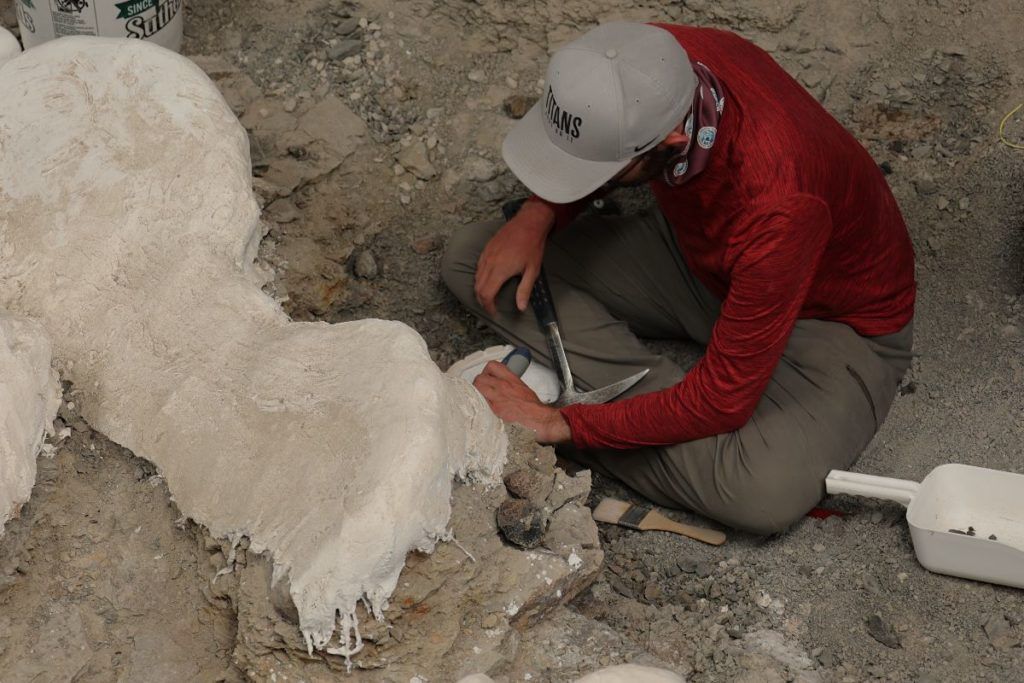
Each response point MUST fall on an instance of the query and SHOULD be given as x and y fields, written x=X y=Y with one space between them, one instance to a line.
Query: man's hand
x=512 y=400
x=516 y=249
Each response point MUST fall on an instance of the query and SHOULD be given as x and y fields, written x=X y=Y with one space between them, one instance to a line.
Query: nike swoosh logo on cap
x=640 y=147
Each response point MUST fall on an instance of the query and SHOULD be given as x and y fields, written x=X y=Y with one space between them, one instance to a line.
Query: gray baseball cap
x=610 y=96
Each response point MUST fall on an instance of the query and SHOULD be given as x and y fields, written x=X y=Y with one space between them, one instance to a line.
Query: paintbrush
x=611 y=511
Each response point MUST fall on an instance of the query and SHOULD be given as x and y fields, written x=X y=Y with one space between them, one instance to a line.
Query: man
x=777 y=245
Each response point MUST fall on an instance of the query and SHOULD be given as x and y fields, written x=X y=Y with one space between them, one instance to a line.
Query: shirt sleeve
x=771 y=261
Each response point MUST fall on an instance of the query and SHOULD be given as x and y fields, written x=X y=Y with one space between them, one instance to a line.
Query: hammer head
x=603 y=395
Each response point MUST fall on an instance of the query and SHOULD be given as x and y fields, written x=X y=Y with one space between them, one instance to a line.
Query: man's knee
x=770 y=503
x=458 y=264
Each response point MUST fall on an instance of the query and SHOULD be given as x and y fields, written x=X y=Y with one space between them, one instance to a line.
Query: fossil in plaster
x=128 y=229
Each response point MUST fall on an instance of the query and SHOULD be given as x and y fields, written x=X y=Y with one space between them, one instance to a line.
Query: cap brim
x=545 y=169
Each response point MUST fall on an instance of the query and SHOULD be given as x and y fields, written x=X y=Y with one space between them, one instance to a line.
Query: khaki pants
x=616 y=278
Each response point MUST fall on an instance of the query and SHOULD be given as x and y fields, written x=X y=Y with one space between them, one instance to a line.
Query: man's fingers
x=488 y=283
x=525 y=287
x=480 y=282
x=483 y=383
x=485 y=294
x=498 y=370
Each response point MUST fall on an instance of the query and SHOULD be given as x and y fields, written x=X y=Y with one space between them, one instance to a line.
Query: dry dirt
x=100 y=580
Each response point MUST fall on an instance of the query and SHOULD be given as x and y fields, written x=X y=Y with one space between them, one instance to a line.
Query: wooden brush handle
x=656 y=521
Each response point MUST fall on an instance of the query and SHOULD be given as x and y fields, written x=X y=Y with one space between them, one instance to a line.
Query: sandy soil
x=98 y=580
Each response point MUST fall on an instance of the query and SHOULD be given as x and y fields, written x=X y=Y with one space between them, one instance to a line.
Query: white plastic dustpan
x=964 y=521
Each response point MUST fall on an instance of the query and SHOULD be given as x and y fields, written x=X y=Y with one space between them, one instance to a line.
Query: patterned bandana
x=708 y=103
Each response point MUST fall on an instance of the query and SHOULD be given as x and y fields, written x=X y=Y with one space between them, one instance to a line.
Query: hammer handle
x=540 y=301
x=540 y=295
x=544 y=308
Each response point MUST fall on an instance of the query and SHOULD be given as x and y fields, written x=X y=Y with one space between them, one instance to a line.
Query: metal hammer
x=544 y=308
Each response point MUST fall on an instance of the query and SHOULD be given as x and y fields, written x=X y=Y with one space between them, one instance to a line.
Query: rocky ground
x=375 y=131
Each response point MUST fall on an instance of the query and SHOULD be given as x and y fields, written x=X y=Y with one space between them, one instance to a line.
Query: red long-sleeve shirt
x=790 y=219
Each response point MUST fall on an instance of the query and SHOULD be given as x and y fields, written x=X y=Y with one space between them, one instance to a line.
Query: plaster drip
x=29 y=399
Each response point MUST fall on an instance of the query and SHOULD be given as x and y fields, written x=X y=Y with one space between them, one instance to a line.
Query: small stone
x=543 y=460
x=882 y=631
x=926 y=185
x=997 y=628
x=333 y=123
x=480 y=170
x=490 y=621
x=366 y=265
x=344 y=48
x=425 y=245
x=942 y=203
x=621 y=587
x=1010 y=331
x=964 y=203
x=813 y=76
x=290 y=104
x=477 y=76
x=521 y=522
x=570 y=528
x=687 y=565
x=818 y=548
x=826 y=658
x=415 y=160
x=347 y=26
x=871 y=583
x=282 y=211
x=528 y=484
x=567 y=489
x=516 y=106
x=652 y=592
x=876 y=517
x=704 y=569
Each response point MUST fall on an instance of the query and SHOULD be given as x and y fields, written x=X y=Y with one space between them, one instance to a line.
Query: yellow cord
x=1002 y=128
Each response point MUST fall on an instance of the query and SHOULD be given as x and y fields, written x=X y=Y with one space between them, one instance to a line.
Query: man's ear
x=675 y=139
